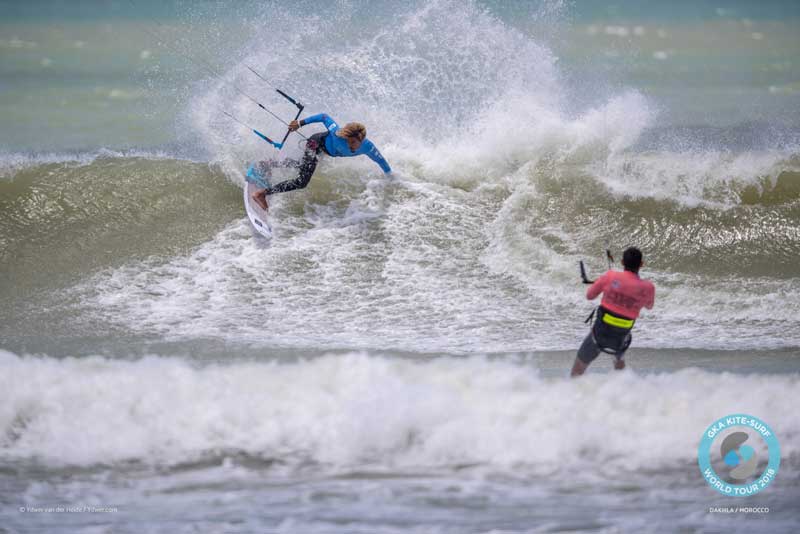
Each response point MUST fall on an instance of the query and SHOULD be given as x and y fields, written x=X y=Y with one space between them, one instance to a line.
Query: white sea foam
x=325 y=285
x=356 y=409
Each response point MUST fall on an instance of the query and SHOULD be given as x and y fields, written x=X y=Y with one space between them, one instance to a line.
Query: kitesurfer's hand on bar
x=294 y=125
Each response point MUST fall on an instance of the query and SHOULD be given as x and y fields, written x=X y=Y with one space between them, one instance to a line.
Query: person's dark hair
x=632 y=259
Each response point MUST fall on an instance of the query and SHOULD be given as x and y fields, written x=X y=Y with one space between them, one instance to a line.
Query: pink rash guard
x=624 y=293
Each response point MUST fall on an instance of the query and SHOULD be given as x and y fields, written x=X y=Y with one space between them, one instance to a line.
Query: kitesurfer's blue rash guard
x=337 y=146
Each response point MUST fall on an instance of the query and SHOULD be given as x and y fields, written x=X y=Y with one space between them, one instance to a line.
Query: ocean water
x=396 y=358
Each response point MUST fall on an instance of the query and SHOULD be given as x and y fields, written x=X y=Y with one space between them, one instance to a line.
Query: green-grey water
x=395 y=359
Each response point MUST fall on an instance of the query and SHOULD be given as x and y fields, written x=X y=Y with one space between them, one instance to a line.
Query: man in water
x=351 y=140
x=624 y=295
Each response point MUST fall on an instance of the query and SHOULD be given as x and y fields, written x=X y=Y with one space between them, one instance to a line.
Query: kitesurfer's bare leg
x=578 y=368
x=586 y=354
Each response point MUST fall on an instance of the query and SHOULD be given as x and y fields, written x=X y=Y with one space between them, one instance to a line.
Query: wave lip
x=12 y=163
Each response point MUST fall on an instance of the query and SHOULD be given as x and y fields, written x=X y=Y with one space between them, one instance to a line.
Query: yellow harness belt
x=619 y=322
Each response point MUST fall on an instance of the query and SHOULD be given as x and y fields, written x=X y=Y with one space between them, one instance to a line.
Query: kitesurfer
x=624 y=295
x=347 y=141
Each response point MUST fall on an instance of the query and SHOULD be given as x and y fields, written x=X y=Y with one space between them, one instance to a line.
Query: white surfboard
x=259 y=218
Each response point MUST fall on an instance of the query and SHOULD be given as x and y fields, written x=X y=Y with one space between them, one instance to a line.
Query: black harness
x=611 y=333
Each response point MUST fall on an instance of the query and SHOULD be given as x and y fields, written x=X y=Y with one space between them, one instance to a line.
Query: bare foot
x=261 y=199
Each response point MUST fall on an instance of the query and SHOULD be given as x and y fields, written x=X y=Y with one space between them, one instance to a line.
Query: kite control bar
x=584 y=278
x=300 y=108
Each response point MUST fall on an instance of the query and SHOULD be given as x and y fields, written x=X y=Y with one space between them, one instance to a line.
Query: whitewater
x=395 y=359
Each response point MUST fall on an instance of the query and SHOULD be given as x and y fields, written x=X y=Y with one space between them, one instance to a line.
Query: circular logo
x=739 y=455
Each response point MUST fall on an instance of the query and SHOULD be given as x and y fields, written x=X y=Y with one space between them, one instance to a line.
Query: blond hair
x=353 y=129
